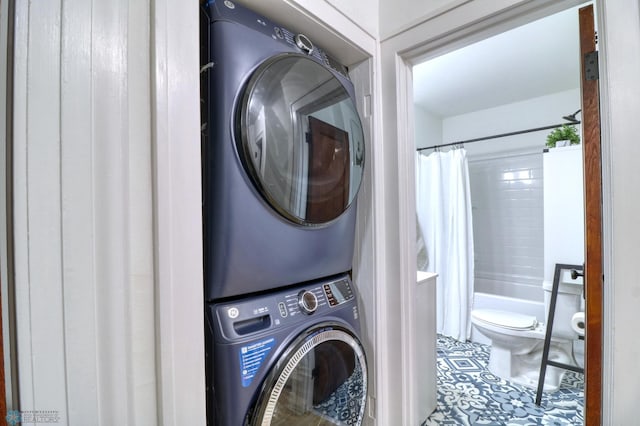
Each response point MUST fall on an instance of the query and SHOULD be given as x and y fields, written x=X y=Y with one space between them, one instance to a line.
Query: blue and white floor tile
x=468 y=394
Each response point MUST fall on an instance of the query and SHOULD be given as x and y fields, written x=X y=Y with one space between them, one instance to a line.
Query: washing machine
x=283 y=156
x=291 y=357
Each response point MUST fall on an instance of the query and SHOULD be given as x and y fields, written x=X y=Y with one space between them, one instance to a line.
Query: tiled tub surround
x=507 y=199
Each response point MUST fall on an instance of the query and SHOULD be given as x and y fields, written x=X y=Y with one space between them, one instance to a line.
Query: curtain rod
x=502 y=135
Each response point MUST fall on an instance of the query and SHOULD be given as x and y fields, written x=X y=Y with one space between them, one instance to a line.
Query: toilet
x=517 y=340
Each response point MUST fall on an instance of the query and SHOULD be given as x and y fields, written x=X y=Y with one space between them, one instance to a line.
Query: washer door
x=301 y=139
x=321 y=380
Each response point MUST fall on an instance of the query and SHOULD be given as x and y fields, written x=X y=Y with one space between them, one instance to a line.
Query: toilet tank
x=569 y=302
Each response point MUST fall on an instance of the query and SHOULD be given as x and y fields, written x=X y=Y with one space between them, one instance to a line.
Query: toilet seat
x=509 y=320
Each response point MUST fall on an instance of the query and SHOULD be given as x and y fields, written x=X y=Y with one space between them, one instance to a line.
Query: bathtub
x=503 y=303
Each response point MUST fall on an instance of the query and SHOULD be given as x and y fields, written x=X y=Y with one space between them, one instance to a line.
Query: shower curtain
x=443 y=207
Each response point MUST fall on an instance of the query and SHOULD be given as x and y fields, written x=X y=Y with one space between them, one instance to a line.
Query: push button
x=283 y=309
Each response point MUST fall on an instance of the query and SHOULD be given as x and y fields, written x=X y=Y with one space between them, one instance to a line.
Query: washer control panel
x=253 y=315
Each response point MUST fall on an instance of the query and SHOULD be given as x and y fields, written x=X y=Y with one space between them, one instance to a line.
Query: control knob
x=307 y=301
x=303 y=43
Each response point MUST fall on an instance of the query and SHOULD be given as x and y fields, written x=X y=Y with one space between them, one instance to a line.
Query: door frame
x=592 y=164
x=8 y=384
x=398 y=55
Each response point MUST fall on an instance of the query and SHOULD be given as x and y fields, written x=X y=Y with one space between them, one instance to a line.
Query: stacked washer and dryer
x=283 y=157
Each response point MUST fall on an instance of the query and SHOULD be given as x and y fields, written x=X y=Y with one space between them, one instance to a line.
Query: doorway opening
x=496 y=101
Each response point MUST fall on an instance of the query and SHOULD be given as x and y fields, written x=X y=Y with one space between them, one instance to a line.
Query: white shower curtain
x=443 y=206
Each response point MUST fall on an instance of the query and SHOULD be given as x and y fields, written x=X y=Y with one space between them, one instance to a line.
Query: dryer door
x=321 y=380
x=300 y=139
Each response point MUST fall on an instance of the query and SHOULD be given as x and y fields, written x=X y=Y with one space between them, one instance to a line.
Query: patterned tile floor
x=468 y=394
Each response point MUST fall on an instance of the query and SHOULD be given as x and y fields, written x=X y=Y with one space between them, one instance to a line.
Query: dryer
x=283 y=156
x=292 y=357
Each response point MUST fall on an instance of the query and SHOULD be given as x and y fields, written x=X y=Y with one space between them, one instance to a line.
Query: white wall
x=619 y=45
x=363 y=13
x=531 y=113
x=397 y=16
x=428 y=128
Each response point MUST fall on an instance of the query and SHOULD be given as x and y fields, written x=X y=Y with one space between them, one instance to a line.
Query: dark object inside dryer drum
x=323 y=382
x=335 y=363
x=301 y=139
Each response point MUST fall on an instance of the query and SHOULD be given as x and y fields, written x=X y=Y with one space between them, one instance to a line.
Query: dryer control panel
x=250 y=316
x=234 y=12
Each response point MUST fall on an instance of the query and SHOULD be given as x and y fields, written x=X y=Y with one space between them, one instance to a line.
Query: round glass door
x=301 y=139
x=322 y=380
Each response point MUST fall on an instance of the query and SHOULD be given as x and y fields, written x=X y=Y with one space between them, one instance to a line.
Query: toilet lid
x=505 y=319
